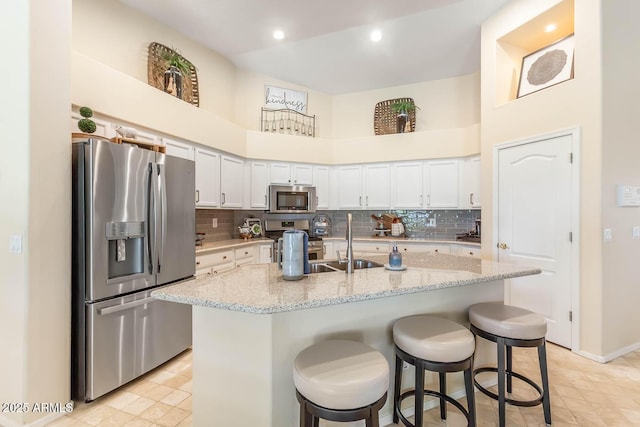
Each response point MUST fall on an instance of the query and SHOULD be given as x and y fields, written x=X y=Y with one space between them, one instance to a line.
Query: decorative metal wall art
x=287 y=121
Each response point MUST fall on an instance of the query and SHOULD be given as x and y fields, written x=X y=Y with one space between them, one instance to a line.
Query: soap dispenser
x=395 y=257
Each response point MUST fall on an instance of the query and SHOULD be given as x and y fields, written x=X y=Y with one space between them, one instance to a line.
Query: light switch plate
x=636 y=232
x=214 y=222
x=432 y=222
x=607 y=235
x=15 y=244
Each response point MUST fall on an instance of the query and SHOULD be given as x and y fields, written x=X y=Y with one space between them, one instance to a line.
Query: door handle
x=471 y=198
x=503 y=246
x=197 y=196
x=224 y=198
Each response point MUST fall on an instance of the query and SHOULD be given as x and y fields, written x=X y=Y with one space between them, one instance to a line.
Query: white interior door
x=534 y=228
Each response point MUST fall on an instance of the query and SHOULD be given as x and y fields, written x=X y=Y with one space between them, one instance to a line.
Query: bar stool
x=437 y=345
x=510 y=327
x=341 y=381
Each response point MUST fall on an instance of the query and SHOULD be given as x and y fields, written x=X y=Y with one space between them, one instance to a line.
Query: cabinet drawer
x=207 y=260
x=203 y=272
x=473 y=252
x=222 y=267
x=443 y=249
x=242 y=261
x=247 y=252
x=381 y=248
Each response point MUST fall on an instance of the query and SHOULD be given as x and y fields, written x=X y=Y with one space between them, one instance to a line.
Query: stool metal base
x=310 y=413
x=505 y=371
x=418 y=392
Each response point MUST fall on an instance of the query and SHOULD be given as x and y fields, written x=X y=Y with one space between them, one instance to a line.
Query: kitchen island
x=249 y=324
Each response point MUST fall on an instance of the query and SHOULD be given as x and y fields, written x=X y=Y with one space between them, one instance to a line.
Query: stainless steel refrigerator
x=133 y=231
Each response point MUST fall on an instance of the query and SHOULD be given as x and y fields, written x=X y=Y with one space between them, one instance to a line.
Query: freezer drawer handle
x=123 y=307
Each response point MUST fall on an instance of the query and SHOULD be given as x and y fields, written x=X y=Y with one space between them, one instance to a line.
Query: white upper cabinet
x=321 y=181
x=179 y=149
x=377 y=186
x=349 y=186
x=363 y=187
x=407 y=185
x=470 y=195
x=440 y=184
x=207 y=178
x=231 y=182
x=291 y=174
x=259 y=185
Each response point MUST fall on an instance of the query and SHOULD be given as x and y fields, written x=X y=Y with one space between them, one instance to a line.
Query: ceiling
x=327 y=46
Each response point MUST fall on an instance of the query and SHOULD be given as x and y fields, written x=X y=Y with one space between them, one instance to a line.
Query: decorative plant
x=400 y=106
x=174 y=59
x=86 y=125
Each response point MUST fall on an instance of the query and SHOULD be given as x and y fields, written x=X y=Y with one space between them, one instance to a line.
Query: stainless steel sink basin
x=328 y=266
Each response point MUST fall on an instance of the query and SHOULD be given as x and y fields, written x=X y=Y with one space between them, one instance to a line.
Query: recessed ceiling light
x=550 y=27
x=376 y=35
x=278 y=34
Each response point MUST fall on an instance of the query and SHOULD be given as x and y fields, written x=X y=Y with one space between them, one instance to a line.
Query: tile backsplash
x=448 y=222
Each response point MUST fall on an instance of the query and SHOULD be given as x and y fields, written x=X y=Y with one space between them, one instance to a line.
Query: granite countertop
x=260 y=288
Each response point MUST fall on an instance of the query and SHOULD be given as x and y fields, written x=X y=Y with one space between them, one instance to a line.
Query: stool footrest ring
x=429 y=393
x=514 y=402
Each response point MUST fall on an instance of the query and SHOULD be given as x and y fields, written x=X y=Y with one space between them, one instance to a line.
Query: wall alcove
x=530 y=37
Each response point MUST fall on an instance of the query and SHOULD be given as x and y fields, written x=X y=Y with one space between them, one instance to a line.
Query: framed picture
x=547 y=67
x=277 y=98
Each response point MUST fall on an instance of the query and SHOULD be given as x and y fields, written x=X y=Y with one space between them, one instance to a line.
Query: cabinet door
x=441 y=184
x=378 y=186
x=259 y=185
x=349 y=187
x=407 y=185
x=321 y=182
x=179 y=149
x=265 y=254
x=280 y=173
x=301 y=174
x=469 y=194
x=231 y=182
x=207 y=178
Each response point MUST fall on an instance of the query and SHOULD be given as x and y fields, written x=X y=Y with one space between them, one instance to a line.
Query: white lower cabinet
x=424 y=248
x=245 y=255
x=264 y=250
x=468 y=250
x=214 y=262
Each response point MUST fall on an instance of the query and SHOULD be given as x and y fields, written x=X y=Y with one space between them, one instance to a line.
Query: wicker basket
x=385 y=119
x=156 y=66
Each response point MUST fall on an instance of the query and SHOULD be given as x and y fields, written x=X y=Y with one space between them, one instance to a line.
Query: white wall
x=444 y=104
x=35 y=175
x=577 y=102
x=620 y=154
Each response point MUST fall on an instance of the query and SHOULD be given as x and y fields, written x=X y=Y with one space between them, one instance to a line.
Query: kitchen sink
x=328 y=266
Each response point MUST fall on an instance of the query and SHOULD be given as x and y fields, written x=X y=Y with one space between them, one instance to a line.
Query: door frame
x=574 y=132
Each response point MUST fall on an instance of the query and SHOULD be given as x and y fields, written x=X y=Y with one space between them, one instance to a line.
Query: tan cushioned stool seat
x=341 y=374
x=507 y=321
x=433 y=338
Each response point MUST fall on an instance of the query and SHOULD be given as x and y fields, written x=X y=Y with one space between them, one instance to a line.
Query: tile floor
x=583 y=393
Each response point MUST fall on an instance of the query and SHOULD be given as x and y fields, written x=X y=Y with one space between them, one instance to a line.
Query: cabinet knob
x=436 y=250
x=197 y=262
x=224 y=257
x=246 y=252
x=404 y=249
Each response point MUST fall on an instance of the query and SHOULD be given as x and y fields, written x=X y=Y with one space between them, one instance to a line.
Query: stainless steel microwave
x=292 y=199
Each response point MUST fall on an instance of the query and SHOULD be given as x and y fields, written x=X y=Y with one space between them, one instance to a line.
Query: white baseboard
x=611 y=356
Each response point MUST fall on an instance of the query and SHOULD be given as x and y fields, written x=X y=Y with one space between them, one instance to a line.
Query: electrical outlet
x=432 y=222
x=214 y=222
x=636 y=232
x=607 y=235
x=15 y=244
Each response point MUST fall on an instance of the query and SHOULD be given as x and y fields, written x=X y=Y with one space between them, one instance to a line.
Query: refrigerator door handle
x=162 y=187
x=150 y=208
x=123 y=307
